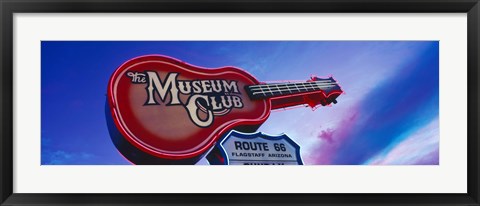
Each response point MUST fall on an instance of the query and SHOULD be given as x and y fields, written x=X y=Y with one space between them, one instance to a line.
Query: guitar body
x=163 y=111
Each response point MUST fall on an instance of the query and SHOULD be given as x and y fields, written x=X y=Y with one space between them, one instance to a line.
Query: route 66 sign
x=239 y=148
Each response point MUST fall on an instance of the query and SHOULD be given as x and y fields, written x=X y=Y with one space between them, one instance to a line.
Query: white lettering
x=192 y=111
x=154 y=84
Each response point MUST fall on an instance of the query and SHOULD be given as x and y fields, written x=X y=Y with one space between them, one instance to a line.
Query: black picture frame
x=9 y=7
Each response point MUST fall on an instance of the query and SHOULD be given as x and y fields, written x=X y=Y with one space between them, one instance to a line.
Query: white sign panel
x=256 y=149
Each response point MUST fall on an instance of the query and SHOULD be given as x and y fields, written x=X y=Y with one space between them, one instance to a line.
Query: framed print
x=252 y=103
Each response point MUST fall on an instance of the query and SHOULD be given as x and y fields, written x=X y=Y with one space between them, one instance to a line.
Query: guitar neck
x=291 y=94
x=265 y=91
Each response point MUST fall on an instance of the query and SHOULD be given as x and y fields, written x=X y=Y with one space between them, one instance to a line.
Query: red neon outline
x=290 y=107
x=303 y=94
x=226 y=126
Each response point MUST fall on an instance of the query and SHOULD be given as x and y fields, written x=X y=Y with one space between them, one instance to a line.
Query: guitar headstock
x=328 y=93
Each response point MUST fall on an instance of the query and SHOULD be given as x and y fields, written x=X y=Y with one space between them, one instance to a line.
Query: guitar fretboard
x=262 y=91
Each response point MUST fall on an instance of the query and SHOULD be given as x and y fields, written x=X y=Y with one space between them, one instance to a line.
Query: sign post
x=239 y=148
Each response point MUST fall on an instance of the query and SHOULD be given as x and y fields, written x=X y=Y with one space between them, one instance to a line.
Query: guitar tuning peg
x=334 y=101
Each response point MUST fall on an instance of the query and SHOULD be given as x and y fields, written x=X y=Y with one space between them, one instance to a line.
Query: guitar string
x=287 y=88
x=256 y=87
x=292 y=90
x=287 y=84
x=273 y=93
x=305 y=89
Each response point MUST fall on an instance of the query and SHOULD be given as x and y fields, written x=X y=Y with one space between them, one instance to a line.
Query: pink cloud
x=326 y=135
x=325 y=151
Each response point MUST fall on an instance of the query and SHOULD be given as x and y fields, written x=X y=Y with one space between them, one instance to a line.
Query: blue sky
x=388 y=114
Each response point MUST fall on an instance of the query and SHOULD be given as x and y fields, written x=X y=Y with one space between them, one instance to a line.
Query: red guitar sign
x=164 y=111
